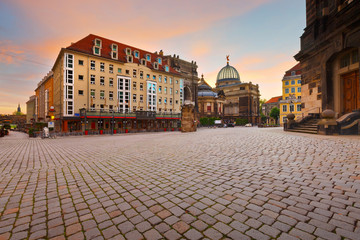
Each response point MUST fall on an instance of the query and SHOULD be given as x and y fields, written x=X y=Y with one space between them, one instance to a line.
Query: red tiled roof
x=296 y=68
x=86 y=44
x=274 y=99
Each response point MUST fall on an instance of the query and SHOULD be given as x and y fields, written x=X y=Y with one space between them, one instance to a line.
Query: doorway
x=351 y=92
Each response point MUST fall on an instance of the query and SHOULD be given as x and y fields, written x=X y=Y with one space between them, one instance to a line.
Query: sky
x=261 y=37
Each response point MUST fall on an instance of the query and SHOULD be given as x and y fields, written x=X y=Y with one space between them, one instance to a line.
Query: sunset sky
x=261 y=37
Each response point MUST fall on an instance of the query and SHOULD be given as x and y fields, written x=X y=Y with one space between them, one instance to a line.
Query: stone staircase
x=309 y=126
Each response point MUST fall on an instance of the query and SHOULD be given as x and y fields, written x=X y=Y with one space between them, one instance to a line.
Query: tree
x=275 y=113
x=18 y=113
x=262 y=101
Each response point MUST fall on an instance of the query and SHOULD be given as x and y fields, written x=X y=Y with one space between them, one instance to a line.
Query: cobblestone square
x=232 y=183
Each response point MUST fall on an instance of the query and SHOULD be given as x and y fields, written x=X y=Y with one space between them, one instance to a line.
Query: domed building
x=231 y=98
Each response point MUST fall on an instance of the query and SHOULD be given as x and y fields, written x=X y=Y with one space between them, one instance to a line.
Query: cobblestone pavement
x=234 y=183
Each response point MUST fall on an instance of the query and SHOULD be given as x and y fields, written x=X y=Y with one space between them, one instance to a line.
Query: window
x=81 y=62
x=111 y=82
x=291 y=107
x=284 y=108
x=159 y=89
x=102 y=94
x=170 y=90
x=165 y=79
x=111 y=68
x=141 y=98
x=114 y=51
x=81 y=77
x=286 y=90
x=159 y=78
x=165 y=90
x=102 y=81
x=177 y=82
x=159 y=61
x=170 y=101
x=292 y=90
x=299 y=89
x=102 y=67
x=176 y=102
x=170 y=80
x=127 y=71
x=284 y=119
x=98 y=42
x=134 y=108
x=114 y=47
x=128 y=51
x=92 y=79
x=286 y=83
x=148 y=57
x=292 y=82
x=167 y=68
x=299 y=81
x=92 y=65
x=134 y=97
x=141 y=86
x=111 y=95
x=119 y=70
x=298 y=107
x=143 y=61
x=114 y=55
x=147 y=76
x=92 y=93
x=134 y=85
x=81 y=92
x=156 y=65
x=136 y=54
x=129 y=58
x=299 y=97
x=96 y=50
x=345 y=61
x=176 y=91
x=111 y=108
x=101 y=107
x=293 y=73
x=165 y=100
x=92 y=107
x=141 y=74
x=154 y=77
x=160 y=100
x=134 y=73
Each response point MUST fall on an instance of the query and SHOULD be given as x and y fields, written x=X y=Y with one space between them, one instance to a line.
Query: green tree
x=18 y=113
x=275 y=113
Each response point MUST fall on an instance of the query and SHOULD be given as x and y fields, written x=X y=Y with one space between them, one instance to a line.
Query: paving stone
x=193 y=234
x=152 y=234
x=212 y=233
x=172 y=234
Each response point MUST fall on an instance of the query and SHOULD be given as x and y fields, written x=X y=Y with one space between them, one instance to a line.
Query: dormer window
x=114 y=51
x=136 y=54
x=98 y=42
x=156 y=65
x=128 y=51
x=96 y=50
x=166 y=68
x=129 y=58
x=143 y=61
x=148 y=57
x=159 y=60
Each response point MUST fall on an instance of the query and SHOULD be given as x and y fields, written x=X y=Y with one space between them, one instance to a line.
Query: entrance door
x=351 y=91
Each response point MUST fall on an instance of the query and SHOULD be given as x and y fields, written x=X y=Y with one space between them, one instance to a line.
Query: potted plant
x=101 y=131
x=164 y=129
x=126 y=130
x=86 y=131
x=31 y=132
x=114 y=131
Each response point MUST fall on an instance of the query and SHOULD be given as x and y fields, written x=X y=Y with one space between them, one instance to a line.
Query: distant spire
x=227 y=59
x=19 y=109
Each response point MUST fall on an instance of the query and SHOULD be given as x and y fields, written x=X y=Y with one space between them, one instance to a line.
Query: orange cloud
x=10 y=53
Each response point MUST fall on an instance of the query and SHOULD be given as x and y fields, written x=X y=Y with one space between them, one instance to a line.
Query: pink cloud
x=10 y=53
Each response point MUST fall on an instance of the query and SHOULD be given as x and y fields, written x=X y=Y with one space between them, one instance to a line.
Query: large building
x=232 y=99
x=291 y=94
x=97 y=83
x=329 y=56
x=273 y=102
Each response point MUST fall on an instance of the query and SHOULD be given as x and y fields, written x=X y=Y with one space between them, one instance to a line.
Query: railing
x=304 y=118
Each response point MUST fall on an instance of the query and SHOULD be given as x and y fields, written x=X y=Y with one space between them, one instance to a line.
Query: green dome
x=228 y=73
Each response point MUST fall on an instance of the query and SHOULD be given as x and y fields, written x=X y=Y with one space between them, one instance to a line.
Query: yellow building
x=100 y=84
x=291 y=94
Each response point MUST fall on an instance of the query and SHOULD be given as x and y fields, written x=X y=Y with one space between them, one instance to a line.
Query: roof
x=86 y=44
x=228 y=73
x=296 y=68
x=274 y=99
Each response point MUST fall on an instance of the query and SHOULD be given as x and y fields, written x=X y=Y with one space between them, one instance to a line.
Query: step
x=302 y=131
x=310 y=127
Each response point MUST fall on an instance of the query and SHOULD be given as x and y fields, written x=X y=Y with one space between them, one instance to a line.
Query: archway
x=187 y=94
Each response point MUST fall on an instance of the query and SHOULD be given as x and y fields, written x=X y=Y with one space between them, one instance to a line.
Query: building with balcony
x=97 y=83
x=291 y=94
